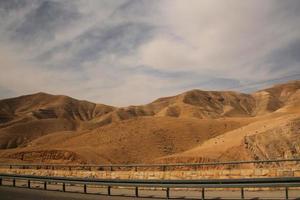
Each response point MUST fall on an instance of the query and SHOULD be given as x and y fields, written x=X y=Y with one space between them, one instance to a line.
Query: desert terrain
x=194 y=126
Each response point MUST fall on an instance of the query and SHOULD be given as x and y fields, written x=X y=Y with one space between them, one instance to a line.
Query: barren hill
x=25 y=118
x=193 y=126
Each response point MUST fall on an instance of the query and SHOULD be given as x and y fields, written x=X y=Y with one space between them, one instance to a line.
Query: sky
x=130 y=52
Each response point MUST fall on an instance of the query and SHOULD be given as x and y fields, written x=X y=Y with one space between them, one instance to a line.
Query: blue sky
x=134 y=51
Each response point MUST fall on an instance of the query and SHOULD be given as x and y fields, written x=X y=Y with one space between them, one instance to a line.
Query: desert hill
x=25 y=118
x=193 y=126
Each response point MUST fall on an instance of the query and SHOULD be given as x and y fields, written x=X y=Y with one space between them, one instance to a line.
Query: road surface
x=11 y=193
x=19 y=193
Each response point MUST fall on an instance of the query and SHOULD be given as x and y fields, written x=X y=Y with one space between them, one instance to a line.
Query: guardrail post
x=135 y=168
x=70 y=168
x=287 y=193
x=136 y=191
x=28 y=183
x=109 y=190
x=10 y=167
x=64 y=187
x=168 y=193
x=45 y=185
x=203 y=194
x=164 y=168
x=242 y=193
x=14 y=182
x=111 y=168
x=84 y=188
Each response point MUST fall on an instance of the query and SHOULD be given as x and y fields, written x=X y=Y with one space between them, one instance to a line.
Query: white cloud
x=167 y=53
x=231 y=38
x=131 y=52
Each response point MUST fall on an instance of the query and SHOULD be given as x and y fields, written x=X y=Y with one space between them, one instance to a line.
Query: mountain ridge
x=176 y=126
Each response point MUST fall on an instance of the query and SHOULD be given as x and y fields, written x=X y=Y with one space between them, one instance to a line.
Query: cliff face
x=195 y=125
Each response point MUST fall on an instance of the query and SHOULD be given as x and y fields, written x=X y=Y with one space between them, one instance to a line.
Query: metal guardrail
x=286 y=182
x=162 y=167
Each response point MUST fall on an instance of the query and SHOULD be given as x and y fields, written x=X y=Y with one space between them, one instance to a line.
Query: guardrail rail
x=203 y=184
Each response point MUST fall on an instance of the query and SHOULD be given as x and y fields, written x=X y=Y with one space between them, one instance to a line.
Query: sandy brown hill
x=25 y=118
x=215 y=104
x=136 y=140
x=268 y=138
x=45 y=106
x=280 y=97
x=193 y=126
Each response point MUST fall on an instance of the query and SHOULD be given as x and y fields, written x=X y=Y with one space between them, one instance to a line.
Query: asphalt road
x=19 y=193
x=11 y=193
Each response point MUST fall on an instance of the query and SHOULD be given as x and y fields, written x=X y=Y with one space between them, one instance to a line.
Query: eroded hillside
x=193 y=126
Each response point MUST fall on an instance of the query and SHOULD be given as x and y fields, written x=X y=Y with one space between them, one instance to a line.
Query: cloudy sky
x=133 y=51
